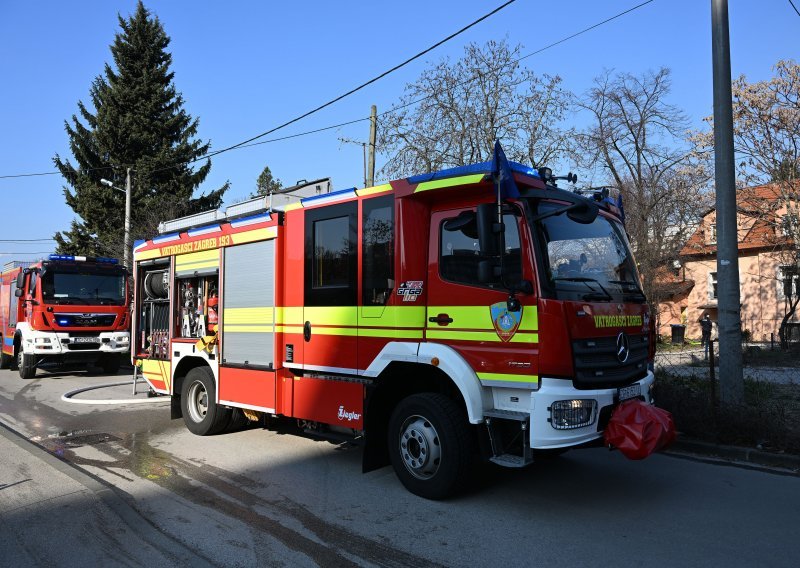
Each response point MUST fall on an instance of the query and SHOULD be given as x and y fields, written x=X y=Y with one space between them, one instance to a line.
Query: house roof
x=667 y=284
x=757 y=205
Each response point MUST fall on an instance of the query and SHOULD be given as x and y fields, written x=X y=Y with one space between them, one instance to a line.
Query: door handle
x=441 y=319
x=307 y=331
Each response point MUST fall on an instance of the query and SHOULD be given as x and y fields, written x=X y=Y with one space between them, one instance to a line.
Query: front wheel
x=429 y=445
x=201 y=413
x=26 y=365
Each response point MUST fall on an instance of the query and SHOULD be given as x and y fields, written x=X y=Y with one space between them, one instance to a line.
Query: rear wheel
x=429 y=445
x=26 y=365
x=201 y=413
x=5 y=360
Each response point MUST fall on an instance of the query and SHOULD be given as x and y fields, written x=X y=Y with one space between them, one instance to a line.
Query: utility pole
x=729 y=316
x=127 y=240
x=373 y=128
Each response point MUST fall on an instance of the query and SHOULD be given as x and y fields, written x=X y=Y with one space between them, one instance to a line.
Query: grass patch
x=769 y=416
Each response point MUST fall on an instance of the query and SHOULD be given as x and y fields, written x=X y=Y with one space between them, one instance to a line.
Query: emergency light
x=74 y=258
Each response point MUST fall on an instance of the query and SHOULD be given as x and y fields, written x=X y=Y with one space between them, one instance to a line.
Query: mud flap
x=175 y=411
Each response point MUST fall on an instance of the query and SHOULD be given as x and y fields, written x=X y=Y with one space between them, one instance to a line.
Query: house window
x=712 y=285
x=788 y=282
x=712 y=234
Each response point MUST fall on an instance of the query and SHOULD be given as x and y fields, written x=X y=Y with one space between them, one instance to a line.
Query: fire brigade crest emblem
x=505 y=323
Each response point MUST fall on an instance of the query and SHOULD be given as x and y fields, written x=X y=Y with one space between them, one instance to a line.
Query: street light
x=127 y=191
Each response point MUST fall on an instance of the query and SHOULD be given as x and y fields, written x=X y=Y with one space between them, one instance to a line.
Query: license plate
x=85 y=340
x=631 y=391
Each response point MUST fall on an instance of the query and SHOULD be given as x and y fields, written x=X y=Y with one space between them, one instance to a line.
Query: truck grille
x=597 y=365
x=85 y=320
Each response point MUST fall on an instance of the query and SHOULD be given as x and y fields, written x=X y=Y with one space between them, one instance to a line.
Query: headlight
x=43 y=340
x=568 y=414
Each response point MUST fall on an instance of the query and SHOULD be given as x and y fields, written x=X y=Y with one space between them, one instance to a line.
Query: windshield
x=586 y=262
x=83 y=287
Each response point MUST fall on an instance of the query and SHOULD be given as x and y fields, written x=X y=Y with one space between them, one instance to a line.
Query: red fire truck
x=67 y=310
x=432 y=316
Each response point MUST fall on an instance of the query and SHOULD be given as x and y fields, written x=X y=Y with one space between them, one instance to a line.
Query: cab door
x=473 y=317
x=330 y=312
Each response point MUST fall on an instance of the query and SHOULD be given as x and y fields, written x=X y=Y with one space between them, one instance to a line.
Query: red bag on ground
x=638 y=429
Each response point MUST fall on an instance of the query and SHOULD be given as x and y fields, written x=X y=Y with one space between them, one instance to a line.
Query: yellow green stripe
x=373 y=190
x=345 y=315
x=480 y=317
x=147 y=254
x=508 y=378
x=449 y=182
x=238 y=316
x=255 y=235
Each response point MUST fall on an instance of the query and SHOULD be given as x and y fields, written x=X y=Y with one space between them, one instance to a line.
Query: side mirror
x=18 y=293
x=20 y=280
x=584 y=214
x=489 y=230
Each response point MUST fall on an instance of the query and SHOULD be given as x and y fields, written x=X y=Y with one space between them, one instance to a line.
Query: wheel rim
x=198 y=402
x=20 y=355
x=420 y=448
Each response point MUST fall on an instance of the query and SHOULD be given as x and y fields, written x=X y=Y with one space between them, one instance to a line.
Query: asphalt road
x=268 y=497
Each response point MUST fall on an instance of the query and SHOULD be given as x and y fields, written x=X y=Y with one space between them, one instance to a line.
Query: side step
x=510 y=460
x=508 y=430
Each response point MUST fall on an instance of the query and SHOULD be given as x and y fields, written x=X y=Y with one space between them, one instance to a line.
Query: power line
x=795 y=7
x=18 y=241
x=322 y=106
x=361 y=86
x=249 y=143
x=583 y=31
x=29 y=253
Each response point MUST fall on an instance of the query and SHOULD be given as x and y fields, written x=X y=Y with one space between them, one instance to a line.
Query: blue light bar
x=480 y=168
x=73 y=258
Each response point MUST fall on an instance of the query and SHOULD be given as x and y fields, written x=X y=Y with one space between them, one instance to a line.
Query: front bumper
x=542 y=433
x=67 y=344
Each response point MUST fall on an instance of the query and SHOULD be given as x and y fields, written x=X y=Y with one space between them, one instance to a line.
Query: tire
x=238 y=421
x=109 y=363
x=5 y=360
x=26 y=365
x=429 y=445
x=201 y=414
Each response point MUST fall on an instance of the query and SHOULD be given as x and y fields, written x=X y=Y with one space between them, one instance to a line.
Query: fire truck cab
x=427 y=315
x=64 y=311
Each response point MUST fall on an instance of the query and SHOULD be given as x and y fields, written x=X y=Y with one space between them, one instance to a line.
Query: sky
x=246 y=66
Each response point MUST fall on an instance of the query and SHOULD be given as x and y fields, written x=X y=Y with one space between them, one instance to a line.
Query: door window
x=460 y=253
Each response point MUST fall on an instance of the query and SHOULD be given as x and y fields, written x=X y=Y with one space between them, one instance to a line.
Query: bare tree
x=464 y=106
x=639 y=140
x=766 y=124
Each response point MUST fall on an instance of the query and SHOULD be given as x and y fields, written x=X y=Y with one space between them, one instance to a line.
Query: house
x=767 y=266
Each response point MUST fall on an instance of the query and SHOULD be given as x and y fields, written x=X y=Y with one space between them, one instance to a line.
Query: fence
x=687 y=384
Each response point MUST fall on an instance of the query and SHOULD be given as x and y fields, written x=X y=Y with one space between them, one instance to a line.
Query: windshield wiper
x=594 y=295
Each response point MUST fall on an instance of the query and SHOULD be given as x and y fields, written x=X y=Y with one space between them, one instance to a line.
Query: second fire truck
x=64 y=311
x=429 y=315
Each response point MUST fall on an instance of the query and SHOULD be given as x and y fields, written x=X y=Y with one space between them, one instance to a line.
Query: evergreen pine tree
x=266 y=184
x=137 y=121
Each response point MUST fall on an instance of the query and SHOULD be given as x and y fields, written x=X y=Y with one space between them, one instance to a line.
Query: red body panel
x=330 y=402
x=247 y=387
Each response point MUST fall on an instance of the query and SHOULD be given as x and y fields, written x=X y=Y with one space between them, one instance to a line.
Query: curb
x=780 y=462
